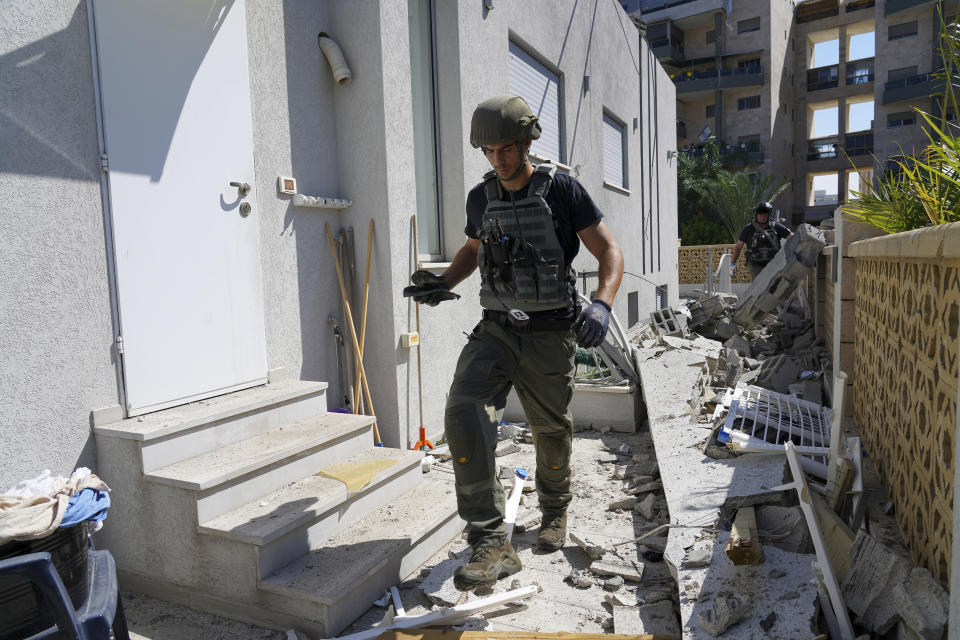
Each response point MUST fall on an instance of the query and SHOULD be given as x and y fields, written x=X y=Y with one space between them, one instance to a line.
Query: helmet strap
x=523 y=164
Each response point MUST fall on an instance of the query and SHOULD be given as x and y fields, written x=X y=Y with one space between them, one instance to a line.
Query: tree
x=698 y=223
x=733 y=196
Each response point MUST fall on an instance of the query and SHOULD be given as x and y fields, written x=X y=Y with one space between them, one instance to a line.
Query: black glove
x=429 y=288
x=591 y=325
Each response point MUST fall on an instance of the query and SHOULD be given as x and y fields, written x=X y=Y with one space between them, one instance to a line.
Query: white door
x=175 y=92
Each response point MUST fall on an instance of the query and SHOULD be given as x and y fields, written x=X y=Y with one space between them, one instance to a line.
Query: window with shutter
x=540 y=87
x=905 y=30
x=614 y=153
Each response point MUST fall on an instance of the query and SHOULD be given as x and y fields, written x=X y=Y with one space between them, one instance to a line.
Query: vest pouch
x=526 y=280
x=550 y=283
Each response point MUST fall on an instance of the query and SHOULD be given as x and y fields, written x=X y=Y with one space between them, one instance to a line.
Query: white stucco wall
x=55 y=321
x=353 y=142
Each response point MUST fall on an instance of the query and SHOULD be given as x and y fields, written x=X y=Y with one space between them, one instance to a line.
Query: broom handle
x=353 y=336
x=416 y=264
x=366 y=295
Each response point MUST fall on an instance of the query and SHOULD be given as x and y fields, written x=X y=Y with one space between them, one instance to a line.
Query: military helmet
x=763 y=207
x=503 y=119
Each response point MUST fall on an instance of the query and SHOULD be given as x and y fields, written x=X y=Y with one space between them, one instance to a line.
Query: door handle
x=243 y=188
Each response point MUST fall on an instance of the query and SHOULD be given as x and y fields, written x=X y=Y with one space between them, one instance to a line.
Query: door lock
x=243 y=188
x=245 y=209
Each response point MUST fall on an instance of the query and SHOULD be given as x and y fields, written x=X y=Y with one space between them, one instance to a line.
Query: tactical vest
x=521 y=259
x=764 y=244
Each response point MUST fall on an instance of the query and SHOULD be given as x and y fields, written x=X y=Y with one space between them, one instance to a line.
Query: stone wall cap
x=940 y=241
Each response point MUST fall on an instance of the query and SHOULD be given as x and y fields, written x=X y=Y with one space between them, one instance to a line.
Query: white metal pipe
x=338 y=64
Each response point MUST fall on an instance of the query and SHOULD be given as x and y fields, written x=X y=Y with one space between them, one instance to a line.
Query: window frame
x=746 y=103
x=520 y=53
x=900 y=36
x=747 y=25
x=613 y=124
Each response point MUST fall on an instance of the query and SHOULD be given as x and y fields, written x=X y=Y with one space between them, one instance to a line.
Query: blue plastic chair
x=102 y=610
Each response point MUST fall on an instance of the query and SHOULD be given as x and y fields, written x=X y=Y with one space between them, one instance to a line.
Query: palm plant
x=924 y=189
x=698 y=223
x=733 y=195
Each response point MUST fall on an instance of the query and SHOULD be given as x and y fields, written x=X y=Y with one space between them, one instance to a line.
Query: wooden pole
x=416 y=265
x=363 y=317
x=353 y=334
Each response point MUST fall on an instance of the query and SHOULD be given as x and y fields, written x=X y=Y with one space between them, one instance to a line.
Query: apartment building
x=820 y=91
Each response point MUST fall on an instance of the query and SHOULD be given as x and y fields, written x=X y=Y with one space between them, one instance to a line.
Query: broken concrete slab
x=779 y=279
x=506 y=447
x=726 y=329
x=438 y=585
x=593 y=548
x=613 y=584
x=868 y=590
x=923 y=604
x=725 y=612
x=652 y=619
x=778 y=372
x=620 y=599
x=632 y=571
x=744 y=547
x=648 y=506
x=739 y=344
x=622 y=504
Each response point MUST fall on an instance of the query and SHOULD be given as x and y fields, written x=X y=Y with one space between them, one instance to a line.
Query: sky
x=859 y=116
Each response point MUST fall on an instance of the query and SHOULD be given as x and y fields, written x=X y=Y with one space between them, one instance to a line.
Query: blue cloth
x=88 y=505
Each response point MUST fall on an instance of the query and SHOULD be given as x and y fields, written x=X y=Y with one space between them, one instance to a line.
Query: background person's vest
x=521 y=259
x=764 y=244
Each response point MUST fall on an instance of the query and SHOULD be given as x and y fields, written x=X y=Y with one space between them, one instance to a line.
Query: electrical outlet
x=410 y=340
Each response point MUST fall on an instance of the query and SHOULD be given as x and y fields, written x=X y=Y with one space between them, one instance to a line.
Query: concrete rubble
x=765 y=338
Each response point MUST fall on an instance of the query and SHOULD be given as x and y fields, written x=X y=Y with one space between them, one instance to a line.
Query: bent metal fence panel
x=693 y=263
x=905 y=379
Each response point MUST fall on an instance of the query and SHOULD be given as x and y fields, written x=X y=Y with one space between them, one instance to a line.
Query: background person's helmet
x=503 y=119
x=763 y=207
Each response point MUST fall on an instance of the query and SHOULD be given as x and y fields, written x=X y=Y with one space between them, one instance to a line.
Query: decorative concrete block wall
x=905 y=378
x=693 y=263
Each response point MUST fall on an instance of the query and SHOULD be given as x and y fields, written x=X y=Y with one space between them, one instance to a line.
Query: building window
x=710 y=111
x=750 y=102
x=540 y=87
x=614 y=153
x=905 y=30
x=746 y=26
x=711 y=36
x=633 y=308
x=901 y=119
x=749 y=143
x=752 y=63
x=901 y=73
x=425 y=153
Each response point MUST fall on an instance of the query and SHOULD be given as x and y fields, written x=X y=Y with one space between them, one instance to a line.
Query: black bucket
x=23 y=610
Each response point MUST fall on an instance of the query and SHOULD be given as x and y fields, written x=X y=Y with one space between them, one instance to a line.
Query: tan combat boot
x=487 y=564
x=553 y=531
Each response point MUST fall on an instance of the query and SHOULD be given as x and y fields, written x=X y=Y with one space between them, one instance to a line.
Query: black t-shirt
x=571 y=205
x=746 y=235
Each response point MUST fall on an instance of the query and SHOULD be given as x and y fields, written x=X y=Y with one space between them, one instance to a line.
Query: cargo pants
x=540 y=365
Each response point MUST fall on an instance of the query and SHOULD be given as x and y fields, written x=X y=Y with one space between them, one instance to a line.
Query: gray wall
x=55 y=320
x=352 y=142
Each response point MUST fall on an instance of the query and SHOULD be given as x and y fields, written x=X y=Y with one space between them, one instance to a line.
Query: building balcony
x=822 y=148
x=858 y=143
x=859 y=5
x=817 y=9
x=668 y=52
x=819 y=212
x=692 y=82
x=675 y=9
x=744 y=156
x=854 y=144
x=922 y=85
x=823 y=78
x=860 y=72
x=895 y=6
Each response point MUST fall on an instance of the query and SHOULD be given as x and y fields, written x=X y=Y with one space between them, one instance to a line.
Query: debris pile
x=758 y=377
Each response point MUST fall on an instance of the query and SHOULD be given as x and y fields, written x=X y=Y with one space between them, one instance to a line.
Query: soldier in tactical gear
x=761 y=238
x=524 y=227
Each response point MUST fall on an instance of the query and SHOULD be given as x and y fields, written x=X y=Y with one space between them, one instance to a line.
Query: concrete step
x=329 y=587
x=232 y=475
x=178 y=433
x=300 y=516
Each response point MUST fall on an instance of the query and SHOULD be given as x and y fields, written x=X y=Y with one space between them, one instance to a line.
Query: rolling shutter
x=540 y=87
x=613 y=171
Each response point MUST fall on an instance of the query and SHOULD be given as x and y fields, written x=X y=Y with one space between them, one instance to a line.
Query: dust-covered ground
x=602 y=472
